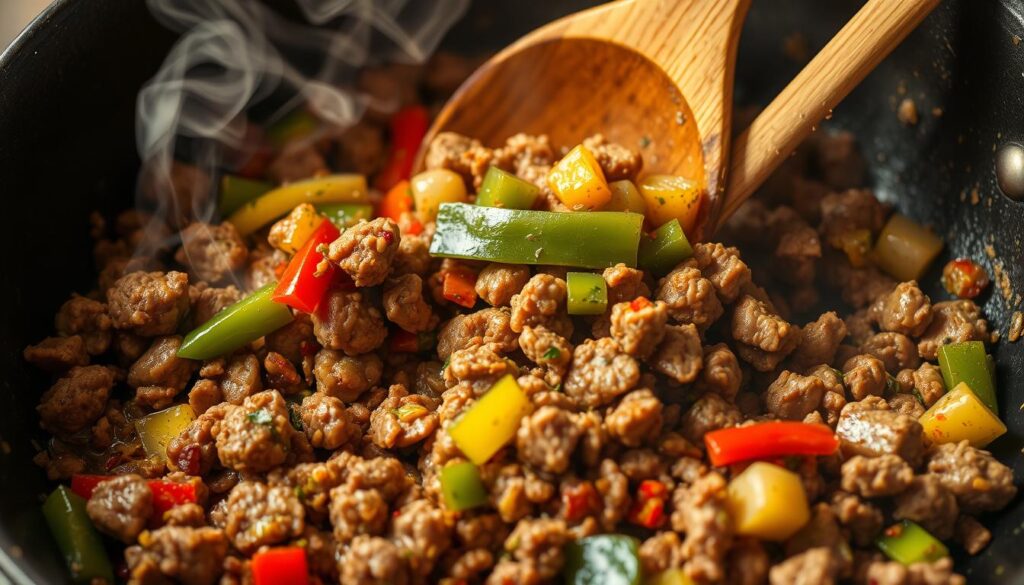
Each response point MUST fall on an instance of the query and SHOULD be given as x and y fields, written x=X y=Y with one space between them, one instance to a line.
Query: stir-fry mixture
x=514 y=367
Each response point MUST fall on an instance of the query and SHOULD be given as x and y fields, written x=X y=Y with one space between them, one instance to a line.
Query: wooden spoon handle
x=866 y=39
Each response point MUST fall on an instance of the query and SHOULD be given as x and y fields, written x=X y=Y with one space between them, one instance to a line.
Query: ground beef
x=405 y=306
x=636 y=419
x=639 y=327
x=326 y=422
x=256 y=436
x=700 y=510
x=953 y=322
x=497 y=283
x=57 y=354
x=845 y=212
x=797 y=251
x=357 y=512
x=546 y=348
x=755 y=324
x=207 y=301
x=361 y=148
x=721 y=372
x=616 y=161
x=204 y=395
x=149 y=303
x=819 y=342
x=792 y=396
x=972 y=535
x=211 y=251
x=600 y=372
x=873 y=477
x=161 y=367
x=87 y=318
x=179 y=553
x=689 y=297
x=547 y=438
x=121 y=507
x=371 y=559
x=349 y=322
x=863 y=520
x=365 y=251
x=194 y=450
x=709 y=413
x=865 y=375
x=979 y=482
x=905 y=310
x=906 y=404
x=413 y=256
x=266 y=264
x=258 y=515
x=295 y=340
x=724 y=268
x=624 y=284
x=422 y=533
x=478 y=366
x=747 y=563
x=939 y=572
x=660 y=552
x=76 y=400
x=838 y=159
x=489 y=327
x=541 y=302
x=859 y=287
x=241 y=378
x=897 y=351
x=402 y=419
x=928 y=384
x=679 y=356
x=452 y=151
x=928 y=502
x=817 y=566
x=346 y=377
x=873 y=433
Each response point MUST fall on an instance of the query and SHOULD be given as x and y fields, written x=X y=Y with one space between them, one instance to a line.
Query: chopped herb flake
x=260 y=417
x=553 y=353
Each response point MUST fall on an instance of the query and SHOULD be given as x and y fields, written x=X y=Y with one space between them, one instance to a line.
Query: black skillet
x=67 y=93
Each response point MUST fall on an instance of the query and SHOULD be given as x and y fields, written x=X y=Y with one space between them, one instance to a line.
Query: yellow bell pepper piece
x=331 y=189
x=669 y=577
x=625 y=197
x=960 y=415
x=291 y=233
x=671 y=197
x=156 y=430
x=767 y=501
x=904 y=249
x=432 y=188
x=578 y=181
x=490 y=423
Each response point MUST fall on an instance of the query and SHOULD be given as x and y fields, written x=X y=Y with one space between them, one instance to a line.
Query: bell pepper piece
x=76 y=537
x=280 y=566
x=237 y=191
x=303 y=285
x=578 y=181
x=605 y=559
x=588 y=293
x=514 y=236
x=398 y=202
x=964 y=278
x=461 y=486
x=157 y=429
x=908 y=543
x=669 y=577
x=769 y=440
x=432 y=188
x=503 y=189
x=344 y=215
x=293 y=230
x=408 y=127
x=666 y=248
x=625 y=197
x=243 y=322
x=958 y=415
x=904 y=249
x=767 y=501
x=295 y=125
x=580 y=500
x=671 y=197
x=459 y=287
x=967 y=362
x=330 y=189
x=491 y=422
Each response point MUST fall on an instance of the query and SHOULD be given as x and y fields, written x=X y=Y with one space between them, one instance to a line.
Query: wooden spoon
x=657 y=76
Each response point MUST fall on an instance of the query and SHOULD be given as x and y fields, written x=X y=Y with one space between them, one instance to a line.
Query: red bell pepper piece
x=459 y=287
x=166 y=494
x=301 y=287
x=398 y=202
x=408 y=127
x=580 y=500
x=280 y=566
x=769 y=440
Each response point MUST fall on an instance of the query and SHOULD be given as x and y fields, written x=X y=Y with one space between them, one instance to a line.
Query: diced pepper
x=669 y=577
x=961 y=415
x=625 y=197
x=671 y=197
x=291 y=232
x=166 y=494
x=398 y=202
x=666 y=248
x=647 y=512
x=432 y=188
x=459 y=287
x=408 y=127
x=237 y=191
x=967 y=362
x=157 y=429
x=503 y=189
x=296 y=125
x=76 y=537
x=605 y=559
x=578 y=181
x=769 y=440
x=330 y=189
x=243 y=322
x=344 y=215
x=491 y=422
x=908 y=543
x=588 y=293
x=964 y=278
x=402 y=341
x=767 y=501
x=514 y=236
x=280 y=566
x=306 y=279
x=461 y=486
x=580 y=500
x=904 y=249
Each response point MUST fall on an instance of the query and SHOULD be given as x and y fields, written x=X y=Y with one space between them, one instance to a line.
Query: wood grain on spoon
x=657 y=76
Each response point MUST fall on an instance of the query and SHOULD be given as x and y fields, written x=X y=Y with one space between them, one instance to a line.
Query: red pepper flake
x=652 y=488
x=894 y=530
x=639 y=303
x=964 y=278
x=647 y=513
x=386 y=235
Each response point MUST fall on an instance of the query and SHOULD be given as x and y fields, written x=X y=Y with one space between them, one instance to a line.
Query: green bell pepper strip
x=344 y=215
x=503 y=189
x=76 y=537
x=908 y=543
x=237 y=191
x=588 y=293
x=605 y=559
x=243 y=322
x=967 y=362
x=666 y=248
x=593 y=239
x=462 y=487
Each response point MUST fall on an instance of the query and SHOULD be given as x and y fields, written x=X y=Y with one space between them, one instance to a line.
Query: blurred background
x=14 y=15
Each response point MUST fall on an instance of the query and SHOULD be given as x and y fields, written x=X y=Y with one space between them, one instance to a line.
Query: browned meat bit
x=859 y=287
x=421 y=531
x=207 y=301
x=795 y=258
x=547 y=438
x=529 y=157
x=928 y=383
x=661 y=552
x=764 y=339
x=149 y=303
x=489 y=327
x=57 y=354
x=349 y=322
x=312 y=483
x=638 y=326
x=402 y=419
x=326 y=422
x=258 y=515
x=858 y=326
x=679 y=356
x=546 y=348
x=979 y=482
x=863 y=520
x=897 y=351
x=972 y=535
x=747 y=563
x=365 y=250
x=689 y=297
x=75 y=401
x=295 y=340
x=838 y=158
x=211 y=252
x=600 y=372
x=194 y=451
x=819 y=343
x=906 y=404
x=874 y=433
x=160 y=367
x=873 y=477
x=452 y=151
x=624 y=283
x=709 y=413
x=616 y=161
x=700 y=512
x=516 y=490
x=721 y=373
x=849 y=211
x=256 y=436
x=928 y=502
x=497 y=283
x=636 y=419
x=121 y=507
x=346 y=377
x=792 y=396
x=864 y=376
x=723 y=267
x=541 y=302
x=281 y=374
x=953 y=322
x=413 y=256
x=905 y=310
x=178 y=553
x=265 y=265
x=204 y=395
x=939 y=572
x=371 y=559
x=536 y=548
x=478 y=366
x=405 y=306
x=817 y=566
x=299 y=159
x=87 y=318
